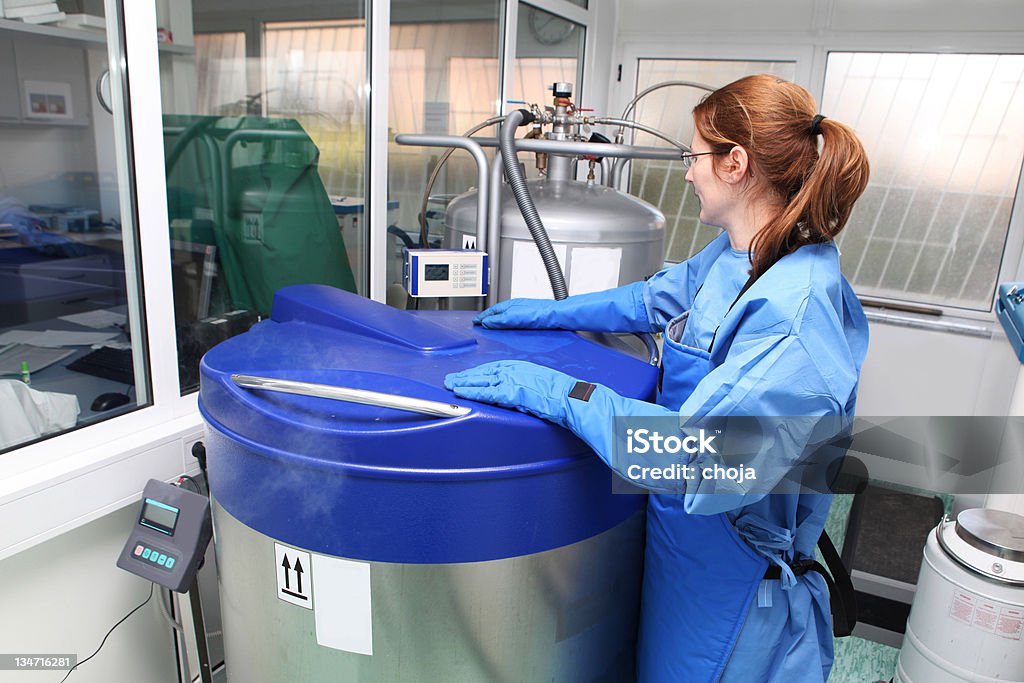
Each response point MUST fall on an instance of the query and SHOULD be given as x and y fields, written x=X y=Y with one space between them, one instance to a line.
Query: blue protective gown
x=792 y=345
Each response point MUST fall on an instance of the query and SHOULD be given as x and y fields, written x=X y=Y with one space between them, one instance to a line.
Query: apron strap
x=840 y=588
x=743 y=290
x=844 y=605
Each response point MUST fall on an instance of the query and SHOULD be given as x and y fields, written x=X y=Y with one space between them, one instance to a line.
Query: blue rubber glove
x=587 y=410
x=525 y=386
x=614 y=310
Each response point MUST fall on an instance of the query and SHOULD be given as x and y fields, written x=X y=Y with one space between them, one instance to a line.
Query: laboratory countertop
x=58 y=378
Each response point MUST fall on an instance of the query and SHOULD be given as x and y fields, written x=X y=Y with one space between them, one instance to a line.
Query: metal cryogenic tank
x=967 y=619
x=610 y=238
x=365 y=543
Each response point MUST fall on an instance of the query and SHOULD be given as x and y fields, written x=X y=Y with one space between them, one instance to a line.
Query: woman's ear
x=734 y=165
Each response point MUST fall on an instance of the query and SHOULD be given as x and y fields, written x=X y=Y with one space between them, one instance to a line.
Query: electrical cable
x=192 y=480
x=104 y=641
x=167 y=613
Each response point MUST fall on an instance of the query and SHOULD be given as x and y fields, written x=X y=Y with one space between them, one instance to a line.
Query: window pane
x=68 y=275
x=549 y=49
x=264 y=135
x=220 y=70
x=668 y=109
x=443 y=81
x=943 y=136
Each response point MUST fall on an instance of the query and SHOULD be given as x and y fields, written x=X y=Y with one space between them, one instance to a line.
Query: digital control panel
x=445 y=272
x=169 y=539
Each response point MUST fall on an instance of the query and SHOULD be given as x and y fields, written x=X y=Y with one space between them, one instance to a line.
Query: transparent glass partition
x=72 y=336
x=668 y=109
x=943 y=135
x=549 y=49
x=265 y=111
x=443 y=80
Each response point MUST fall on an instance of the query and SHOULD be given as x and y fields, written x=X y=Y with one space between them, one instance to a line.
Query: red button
x=138 y=550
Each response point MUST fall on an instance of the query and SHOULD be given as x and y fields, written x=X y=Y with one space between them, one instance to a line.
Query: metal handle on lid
x=370 y=398
x=654 y=353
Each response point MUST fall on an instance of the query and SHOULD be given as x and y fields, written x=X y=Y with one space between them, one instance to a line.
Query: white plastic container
x=966 y=620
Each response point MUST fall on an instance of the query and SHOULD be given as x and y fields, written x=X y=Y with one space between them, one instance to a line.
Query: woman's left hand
x=529 y=387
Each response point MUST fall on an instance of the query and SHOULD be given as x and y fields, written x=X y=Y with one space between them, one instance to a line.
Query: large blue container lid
x=327 y=336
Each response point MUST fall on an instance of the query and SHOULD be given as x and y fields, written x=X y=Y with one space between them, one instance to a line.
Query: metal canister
x=604 y=238
x=358 y=542
x=966 y=619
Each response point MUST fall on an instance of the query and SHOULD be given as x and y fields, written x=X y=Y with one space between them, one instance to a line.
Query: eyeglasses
x=688 y=157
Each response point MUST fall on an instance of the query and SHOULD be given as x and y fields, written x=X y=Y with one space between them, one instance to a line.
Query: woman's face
x=713 y=193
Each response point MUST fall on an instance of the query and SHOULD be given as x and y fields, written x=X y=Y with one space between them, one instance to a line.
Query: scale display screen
x=159 y=516
x=435 y=272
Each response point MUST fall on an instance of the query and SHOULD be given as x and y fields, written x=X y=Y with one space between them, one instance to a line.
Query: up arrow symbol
x=297 y=590
x=298 y=573
x=287 y=572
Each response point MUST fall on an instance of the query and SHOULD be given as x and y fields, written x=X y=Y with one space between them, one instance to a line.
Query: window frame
x=810 y=52
x=1010 y=262
x=54 y=485
x=695 y=47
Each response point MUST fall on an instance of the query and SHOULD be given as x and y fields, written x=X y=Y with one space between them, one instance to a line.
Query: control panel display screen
x=435 y=271
x=159 y=516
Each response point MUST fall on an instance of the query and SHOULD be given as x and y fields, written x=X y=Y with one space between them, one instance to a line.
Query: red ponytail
x=775 y=121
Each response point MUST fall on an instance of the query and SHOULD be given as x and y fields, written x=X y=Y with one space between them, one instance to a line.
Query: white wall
x=63 y=168
x=909 y=371
x=673 y=16
x=61 y=597
x=791 y=16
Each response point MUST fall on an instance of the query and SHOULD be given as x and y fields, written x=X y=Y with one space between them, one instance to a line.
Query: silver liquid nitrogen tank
x=361 y=542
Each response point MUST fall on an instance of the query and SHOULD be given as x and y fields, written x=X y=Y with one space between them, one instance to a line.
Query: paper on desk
x=98 y=319
x=29 y=414
x=55 y=339
x=11 y=358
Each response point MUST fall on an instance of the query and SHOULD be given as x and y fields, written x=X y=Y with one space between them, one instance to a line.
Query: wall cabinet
x=10 y=103
x=43 y=75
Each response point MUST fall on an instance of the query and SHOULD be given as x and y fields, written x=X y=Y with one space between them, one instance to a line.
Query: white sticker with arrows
x=294 y=584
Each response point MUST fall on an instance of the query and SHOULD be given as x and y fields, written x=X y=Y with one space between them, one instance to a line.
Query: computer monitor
x=193 y=269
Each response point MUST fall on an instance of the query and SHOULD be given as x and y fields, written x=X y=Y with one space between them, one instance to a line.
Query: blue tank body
x=383 y=485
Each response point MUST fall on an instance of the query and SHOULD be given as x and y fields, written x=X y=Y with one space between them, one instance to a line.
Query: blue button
x=146 y=553
x=160 y=561
x=170 y=562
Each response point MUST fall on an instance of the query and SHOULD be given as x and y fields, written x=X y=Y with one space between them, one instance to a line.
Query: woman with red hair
x=761 y=323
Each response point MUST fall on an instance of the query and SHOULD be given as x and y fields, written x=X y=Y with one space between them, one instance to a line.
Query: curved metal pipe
x=436 y=171
x=653 y=352
x=658 y=86
x=494 y=230
x=647 y=129
x=506 y=137
x=471 y=146
x=621 y=162
x=590 y=149
x=606 y=170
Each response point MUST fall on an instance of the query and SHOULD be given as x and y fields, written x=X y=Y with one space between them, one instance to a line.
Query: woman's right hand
x=516 y=314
